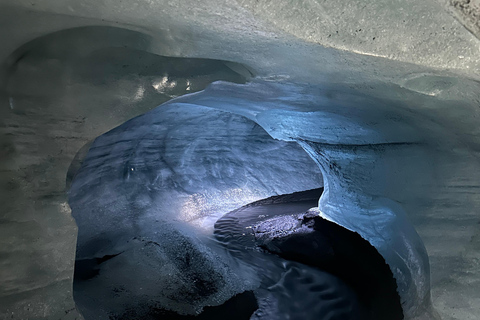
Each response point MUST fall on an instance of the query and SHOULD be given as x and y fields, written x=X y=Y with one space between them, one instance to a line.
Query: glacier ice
x=416 y=63
x=287 y=226
x=352 y=154
x=197 y=175
x=151 y=189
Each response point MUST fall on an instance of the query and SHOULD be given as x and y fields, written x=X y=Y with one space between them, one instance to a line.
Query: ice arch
x=77 y=74
x=370 y=151
x=367 y=157
x=149 y=193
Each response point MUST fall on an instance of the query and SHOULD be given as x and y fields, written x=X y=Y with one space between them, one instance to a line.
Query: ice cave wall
x=48 y=113
x=372 y=153
x=151 y=190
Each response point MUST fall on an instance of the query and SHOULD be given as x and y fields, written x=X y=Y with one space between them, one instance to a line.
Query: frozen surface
x=354 y=152
x=180 y=163
x=356 y=140
x=287 y=226
x=151 y=189
x=59 y=102
x=414 y=56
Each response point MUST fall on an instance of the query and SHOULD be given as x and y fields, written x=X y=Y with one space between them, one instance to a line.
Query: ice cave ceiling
x=173 y=153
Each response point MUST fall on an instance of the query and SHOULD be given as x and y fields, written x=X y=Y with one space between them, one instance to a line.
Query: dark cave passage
x=376 y=102
x=309 y=268
x=146 y=196
x=282 y=225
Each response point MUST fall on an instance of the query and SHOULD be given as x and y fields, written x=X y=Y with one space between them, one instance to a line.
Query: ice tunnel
x=239 y=159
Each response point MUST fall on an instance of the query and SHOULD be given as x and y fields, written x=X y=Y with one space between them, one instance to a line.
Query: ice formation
x=379 y=98
x=352 y=154
x=149 y=190
x=169 y=168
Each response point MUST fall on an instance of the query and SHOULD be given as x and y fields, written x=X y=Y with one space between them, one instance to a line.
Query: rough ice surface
x=414 y=150
x=151 y=189
x=290 y=289
x=351 y=152
x=188 y=163
x=276 y=225
x=359 y=157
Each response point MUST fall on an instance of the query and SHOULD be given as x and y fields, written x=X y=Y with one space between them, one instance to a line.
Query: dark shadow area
x=239 y=307
x=345 y=254
x=275 y=226
x=87 y=269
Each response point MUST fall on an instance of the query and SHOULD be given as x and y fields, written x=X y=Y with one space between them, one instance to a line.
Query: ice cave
x=240 y=159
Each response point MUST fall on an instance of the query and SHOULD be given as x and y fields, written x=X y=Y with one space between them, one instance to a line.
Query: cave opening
x=178 y=220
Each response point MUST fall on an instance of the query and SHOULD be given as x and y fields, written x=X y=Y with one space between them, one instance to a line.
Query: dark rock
x=239 y=307
x=330 y=247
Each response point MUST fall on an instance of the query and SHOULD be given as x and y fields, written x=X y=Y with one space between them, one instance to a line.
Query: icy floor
x=283 y=289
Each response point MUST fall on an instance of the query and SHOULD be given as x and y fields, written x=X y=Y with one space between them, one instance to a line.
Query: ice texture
x=372 y=151
x=196 y=176
x=150 y=190
x=49 y=111
x=185 y=163
x=291 y=288
x=58 y=99
x=288 y=227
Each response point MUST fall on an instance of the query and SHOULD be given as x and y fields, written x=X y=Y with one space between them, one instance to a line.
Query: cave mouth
x=157 y=185
x=145 y=199
x=150 y=193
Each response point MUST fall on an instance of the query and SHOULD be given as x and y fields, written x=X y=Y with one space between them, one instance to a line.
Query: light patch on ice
x=65 y=208
x=366 y=53
x=165 y=84
x=275 y=77
x=139 y=94
x=202 y=210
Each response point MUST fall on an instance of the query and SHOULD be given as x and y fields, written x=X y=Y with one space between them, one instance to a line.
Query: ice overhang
x=407 y=147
